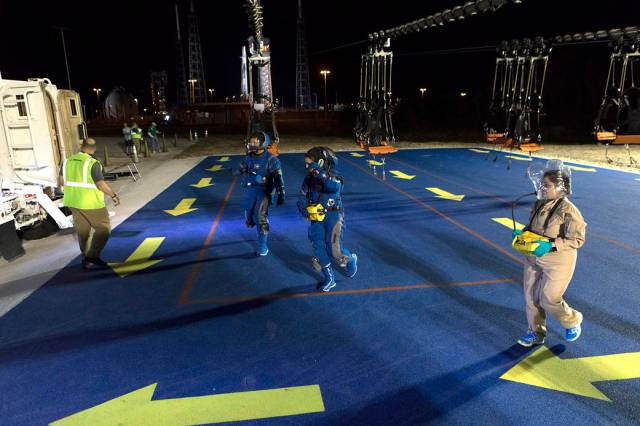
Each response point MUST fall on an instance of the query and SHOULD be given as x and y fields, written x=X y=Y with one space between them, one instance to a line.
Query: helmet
x=556 y=172
x=263 y=141
x=325 y=157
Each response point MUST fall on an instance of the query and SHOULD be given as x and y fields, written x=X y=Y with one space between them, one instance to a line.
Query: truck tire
x=10 y=244
x=46 y=228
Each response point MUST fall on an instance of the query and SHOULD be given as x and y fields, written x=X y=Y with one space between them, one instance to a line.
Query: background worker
x=136 y=136
x=128 y=143
x=84 y=189
x=153 y=133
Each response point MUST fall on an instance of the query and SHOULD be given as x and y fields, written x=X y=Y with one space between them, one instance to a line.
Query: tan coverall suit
x=546 y=278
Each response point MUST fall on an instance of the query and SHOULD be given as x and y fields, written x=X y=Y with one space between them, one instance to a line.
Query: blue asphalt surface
x=383 y=353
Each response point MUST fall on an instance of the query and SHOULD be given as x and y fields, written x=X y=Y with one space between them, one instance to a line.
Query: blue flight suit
x=261 y=175
x=326 y=236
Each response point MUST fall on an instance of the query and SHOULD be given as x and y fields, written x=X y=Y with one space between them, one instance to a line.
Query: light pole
x=193 y=90
x=422 y=90
x=98 y=90
x=64 y=49
x=324 y=74
x=211 y=94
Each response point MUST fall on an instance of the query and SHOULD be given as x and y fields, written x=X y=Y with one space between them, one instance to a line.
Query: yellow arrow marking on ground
x=482 y=151
x=137 y=408
x=515 y=157
x=203 y=183
x=400 y=175
x=445 y=195
x=183 y=207
x=223 y=159
x=375 y=163
x=544 y=369
x=582 y=169
x=505 y=221
x=355 y=154
x=139 y=259
x=215 y=168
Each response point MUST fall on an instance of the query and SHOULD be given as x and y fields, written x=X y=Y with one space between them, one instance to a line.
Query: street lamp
x=324 y=74
x=211 y=94
x=463 y=94
x=98 y=90
x=422 y=90
x=193 y=90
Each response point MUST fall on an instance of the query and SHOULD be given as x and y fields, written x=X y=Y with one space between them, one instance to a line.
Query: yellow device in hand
x=316 y=212
x=527 y=242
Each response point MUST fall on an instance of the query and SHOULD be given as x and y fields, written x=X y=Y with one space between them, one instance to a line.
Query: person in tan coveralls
x=548 y=273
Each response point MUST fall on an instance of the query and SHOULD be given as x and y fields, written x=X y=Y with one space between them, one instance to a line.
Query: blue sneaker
x=263 y=250
x=573 y=333
x=352 y=265
x=329 y=279
x=530 y=339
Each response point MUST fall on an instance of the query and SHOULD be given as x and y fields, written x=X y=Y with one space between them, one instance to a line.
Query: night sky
x=118 y=43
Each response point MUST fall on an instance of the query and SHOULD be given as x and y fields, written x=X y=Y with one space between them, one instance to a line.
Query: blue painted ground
x=212 y=318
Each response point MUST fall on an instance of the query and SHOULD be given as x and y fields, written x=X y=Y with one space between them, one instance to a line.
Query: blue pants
x=256 y=210
x=326 y=238
x=155 y=145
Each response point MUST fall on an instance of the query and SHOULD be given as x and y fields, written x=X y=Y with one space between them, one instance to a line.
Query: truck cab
x=40 y=126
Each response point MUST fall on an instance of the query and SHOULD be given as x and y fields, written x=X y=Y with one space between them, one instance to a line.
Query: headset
x=325 y=157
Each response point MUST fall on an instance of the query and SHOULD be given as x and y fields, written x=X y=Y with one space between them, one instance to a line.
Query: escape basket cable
x=374 y=130
x=262 y=108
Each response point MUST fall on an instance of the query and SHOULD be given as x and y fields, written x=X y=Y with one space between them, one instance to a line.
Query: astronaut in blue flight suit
x=320 y=202
x=262 y=179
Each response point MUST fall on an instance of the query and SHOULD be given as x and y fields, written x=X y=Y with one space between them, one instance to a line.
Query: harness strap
x=546 y=222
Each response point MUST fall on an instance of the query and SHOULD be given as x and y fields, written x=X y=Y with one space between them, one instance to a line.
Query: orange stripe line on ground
x=614 y=242
x=497 y=198
x=442 y=215
x=195 y=270
x=280 y=296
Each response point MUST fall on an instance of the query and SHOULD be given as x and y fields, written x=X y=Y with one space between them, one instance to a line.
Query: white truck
x=40 y=126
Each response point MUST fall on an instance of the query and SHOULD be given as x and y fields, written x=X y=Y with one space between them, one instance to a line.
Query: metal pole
x=325 y=94
x=64 y=49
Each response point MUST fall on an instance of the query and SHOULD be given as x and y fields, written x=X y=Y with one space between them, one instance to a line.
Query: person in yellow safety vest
x=136 y=136
x=84 y=189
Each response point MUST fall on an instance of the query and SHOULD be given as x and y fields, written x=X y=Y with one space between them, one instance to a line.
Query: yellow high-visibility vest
x=80 y=190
